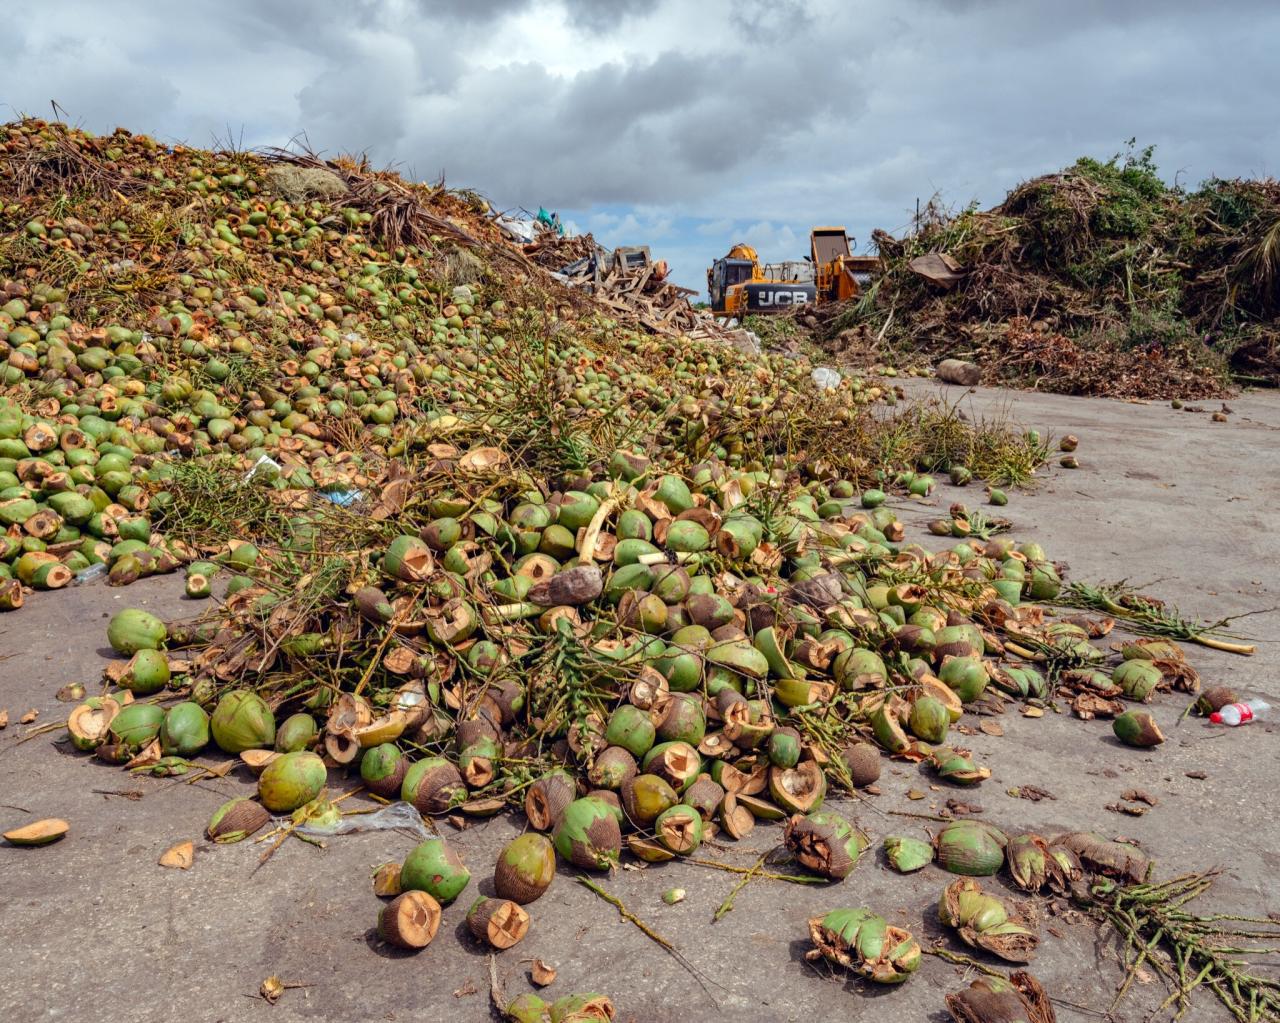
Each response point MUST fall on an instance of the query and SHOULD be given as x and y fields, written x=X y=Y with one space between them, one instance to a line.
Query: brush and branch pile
x=1100 y=279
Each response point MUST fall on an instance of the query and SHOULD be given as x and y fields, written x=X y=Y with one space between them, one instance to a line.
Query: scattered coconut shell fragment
x=906 y=854
x=180 y=856
x=41 y=832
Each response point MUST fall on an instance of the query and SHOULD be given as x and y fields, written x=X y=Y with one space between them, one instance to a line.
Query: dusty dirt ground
x=94 y=927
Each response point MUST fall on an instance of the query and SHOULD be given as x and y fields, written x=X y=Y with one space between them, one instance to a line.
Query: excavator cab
x=723 y=275
x=839 y=274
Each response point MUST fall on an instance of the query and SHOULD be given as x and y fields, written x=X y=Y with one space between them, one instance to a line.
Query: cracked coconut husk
x=984 y=921
x=825 y=843
x=1033 y=865
x=1111 y=859
x=861 y=941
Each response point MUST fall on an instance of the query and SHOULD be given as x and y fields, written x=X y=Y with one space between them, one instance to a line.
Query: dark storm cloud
x=470 y=10
x=599 y=16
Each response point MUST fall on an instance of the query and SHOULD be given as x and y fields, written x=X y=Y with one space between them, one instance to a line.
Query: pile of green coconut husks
x=479 y=549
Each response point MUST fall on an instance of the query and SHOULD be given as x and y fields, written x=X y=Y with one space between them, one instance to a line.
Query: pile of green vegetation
x=1100 y=279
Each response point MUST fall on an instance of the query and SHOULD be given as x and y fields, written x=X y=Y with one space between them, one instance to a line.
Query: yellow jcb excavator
x=739 y=287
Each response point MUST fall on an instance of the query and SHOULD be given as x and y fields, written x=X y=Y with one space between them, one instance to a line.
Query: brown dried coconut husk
x=1021 y=999
x=1111 y=859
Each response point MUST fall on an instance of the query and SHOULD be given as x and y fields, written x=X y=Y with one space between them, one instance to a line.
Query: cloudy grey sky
x=684 y=124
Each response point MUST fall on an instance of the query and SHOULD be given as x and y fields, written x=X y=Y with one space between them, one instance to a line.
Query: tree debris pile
x=627 y=281
x=1100 y=279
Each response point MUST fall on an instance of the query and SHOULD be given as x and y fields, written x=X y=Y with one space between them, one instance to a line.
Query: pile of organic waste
x=480 y=548
x=167 y=310
x=1099 y=279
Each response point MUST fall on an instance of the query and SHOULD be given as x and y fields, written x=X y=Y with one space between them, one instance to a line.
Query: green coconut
x=631 y=728
x=242 y=720
x=236 y=819
x=296 y=732
x=1137 y=728
x=971 y=848
x=784 y=747
x=966 y=676
x=290 y=780
x=587 y=834
x=929 y=719
x=644 y=797
x=433 y=867
x=383 y=768
x=137 y=724
x=433 y=785
x=148 y=673
x=132 y=630
x=185 y=730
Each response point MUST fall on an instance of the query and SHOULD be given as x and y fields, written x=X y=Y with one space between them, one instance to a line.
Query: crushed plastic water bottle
x=342 y=498
x=89 y=574
x=264 y=463
x=395 y=817
x=826 y=378
x=1240 y=713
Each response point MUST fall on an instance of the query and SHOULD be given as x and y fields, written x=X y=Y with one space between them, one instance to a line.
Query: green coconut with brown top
x=1137 y=728
x=236 y=819
x=525 y=869
x=433 y=785
x=383 y=768
x=587 y=834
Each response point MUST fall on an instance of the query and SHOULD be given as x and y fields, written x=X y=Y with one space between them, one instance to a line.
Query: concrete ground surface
x=93 y=928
